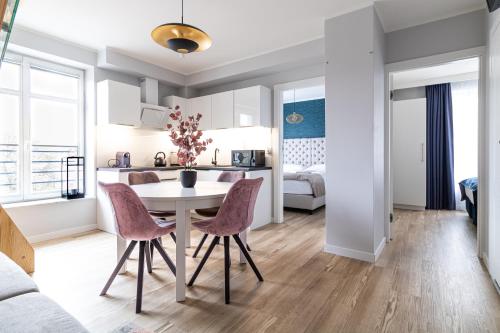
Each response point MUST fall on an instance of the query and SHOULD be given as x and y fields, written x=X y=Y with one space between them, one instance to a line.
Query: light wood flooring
x=428 y=279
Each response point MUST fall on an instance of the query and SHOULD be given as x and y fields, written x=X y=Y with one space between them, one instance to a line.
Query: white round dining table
x=170 y=195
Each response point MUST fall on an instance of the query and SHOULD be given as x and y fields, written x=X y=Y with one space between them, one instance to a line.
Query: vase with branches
x=184 y=134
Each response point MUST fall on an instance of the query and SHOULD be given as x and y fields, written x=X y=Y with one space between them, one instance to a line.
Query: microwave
x=248 y=158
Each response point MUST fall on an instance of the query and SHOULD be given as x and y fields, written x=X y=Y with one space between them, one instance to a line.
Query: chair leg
x=227 y=265
x=140 y=277
x=151 y=250
x=164 y=255
x=124 y=257
x=247 y=256
x=149 y=257
x=173 y=237
x=205 y=257
x=198 y=248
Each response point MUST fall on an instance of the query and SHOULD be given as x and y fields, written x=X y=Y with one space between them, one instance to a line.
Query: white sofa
x=24 y=309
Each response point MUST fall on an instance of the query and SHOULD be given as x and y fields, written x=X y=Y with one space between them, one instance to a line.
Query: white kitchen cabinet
x=223 y=110
x=118 y=103
x=173 y=101
x=409 y=153
x=203 y=106
x=252 y=107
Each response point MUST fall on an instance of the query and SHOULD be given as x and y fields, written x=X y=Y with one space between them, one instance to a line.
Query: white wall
x=354 y=131
x=296 y=74
x=449 y=35
x=492 y=229
x=53 y=219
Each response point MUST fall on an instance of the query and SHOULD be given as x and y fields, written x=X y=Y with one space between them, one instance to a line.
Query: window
x=465 y=101
x=41 y=122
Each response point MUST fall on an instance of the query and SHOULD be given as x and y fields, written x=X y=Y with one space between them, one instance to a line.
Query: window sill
x=43 y=202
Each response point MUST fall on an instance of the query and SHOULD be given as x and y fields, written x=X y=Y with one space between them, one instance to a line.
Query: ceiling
x=450 y=72
x=239 y=29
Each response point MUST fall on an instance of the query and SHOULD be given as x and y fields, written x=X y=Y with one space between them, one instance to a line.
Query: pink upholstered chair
x=234 y=216
x=134 y=223
x=150 y=177
x=224 y=177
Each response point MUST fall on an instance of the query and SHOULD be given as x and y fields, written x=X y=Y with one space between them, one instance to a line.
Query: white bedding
x=298 y=186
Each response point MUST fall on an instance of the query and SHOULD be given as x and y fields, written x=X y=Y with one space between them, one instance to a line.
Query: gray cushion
x=34 y=312
x=13 y=280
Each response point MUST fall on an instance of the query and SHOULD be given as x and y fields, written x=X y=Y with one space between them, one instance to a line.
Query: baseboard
x=356 y=254
x=350 y=253
x=486 y=261
x=409 y=207
x=380 y=248
x=61 y=233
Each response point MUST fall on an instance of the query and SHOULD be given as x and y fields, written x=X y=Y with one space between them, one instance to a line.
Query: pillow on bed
x=292 y=168
x=319 y=168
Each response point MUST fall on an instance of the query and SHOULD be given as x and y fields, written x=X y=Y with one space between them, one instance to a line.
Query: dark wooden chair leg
x=205 y=257
x=164 y=255
x=173 y=237
x=140 y=277
x=124 y=257
x=151 y=250
x=247 y=256
x=149 y=256
x=198 y=248
x=227 y=265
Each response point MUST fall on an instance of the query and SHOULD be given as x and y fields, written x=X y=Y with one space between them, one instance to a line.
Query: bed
x=304 y=174
x=468 y=191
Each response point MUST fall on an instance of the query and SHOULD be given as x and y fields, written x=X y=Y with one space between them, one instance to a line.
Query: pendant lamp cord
x=182 y=11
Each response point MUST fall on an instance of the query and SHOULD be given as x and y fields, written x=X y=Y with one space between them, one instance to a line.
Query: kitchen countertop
x=200 y=167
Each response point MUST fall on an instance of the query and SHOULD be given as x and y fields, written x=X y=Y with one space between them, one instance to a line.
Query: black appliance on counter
x=248 y=158
x=122 y=160
x=160 y=159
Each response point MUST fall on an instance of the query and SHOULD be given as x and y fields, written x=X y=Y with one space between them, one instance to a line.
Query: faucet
x=214 y=160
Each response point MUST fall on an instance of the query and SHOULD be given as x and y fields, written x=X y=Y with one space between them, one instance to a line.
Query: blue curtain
x=440 y=179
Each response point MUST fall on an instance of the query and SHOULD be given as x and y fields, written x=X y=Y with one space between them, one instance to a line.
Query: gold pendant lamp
x=180 y=37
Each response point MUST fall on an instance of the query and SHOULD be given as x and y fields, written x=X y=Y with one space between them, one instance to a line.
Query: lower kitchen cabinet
x=263 y=206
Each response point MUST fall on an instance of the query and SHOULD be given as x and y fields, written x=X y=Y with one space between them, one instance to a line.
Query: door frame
x=483 y=167
x=277 y=140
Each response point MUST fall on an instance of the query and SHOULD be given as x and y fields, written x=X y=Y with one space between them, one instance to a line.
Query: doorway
x=416 y=140
x=298 y=153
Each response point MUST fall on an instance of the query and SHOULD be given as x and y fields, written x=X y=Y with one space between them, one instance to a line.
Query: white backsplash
x=235 y=139
x=143 y=144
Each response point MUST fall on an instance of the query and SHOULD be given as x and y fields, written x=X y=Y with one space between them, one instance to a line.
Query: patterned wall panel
x=305 y=152
x=318 y=150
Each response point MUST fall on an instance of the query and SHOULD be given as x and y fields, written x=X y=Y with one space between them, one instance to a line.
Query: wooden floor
x=427 y=280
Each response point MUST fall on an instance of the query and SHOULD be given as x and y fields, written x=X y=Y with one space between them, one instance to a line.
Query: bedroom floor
x=427 y=280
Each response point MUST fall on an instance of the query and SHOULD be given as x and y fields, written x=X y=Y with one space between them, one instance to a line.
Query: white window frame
x=25 y=149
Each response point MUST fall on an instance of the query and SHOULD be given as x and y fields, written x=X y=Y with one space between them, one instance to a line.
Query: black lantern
x=73 y=177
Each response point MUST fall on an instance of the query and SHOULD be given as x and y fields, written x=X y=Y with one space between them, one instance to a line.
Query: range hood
x=152 y=115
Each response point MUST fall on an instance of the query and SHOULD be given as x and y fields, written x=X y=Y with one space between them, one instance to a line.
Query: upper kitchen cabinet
x=118 y=103
x=223 y=110
x=173 y=101
x=252 y=107
x=203 y=106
